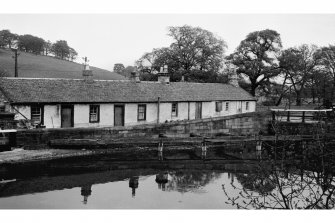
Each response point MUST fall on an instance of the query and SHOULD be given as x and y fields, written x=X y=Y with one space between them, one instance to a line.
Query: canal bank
x=246 y=124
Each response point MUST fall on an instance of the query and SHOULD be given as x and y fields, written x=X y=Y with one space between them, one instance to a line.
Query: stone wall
x=241 y=124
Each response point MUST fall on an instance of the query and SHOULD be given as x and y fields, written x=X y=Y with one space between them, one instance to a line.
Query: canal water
x=244 y=178
x=180 y=190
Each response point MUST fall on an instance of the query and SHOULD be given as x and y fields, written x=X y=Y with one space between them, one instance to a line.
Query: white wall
x=52 y=118
x=106 y=115
x=130 y=116
x=52 y=113
x=82 y=119
x=22 y=112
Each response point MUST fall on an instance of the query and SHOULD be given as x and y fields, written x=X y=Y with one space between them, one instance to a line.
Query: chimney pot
x=135 y=77
x=87 y=73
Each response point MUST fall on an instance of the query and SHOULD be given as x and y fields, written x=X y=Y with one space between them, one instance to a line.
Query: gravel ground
x=20 y=155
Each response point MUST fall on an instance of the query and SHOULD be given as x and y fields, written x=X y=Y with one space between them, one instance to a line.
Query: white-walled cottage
x=60 y=103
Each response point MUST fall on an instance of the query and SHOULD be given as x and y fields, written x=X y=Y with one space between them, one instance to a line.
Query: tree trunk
x=253 y=89
x=332 y=93
x=298 y=99
x=279 y=100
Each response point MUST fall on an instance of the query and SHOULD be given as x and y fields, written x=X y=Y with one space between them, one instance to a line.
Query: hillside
x=31 y=65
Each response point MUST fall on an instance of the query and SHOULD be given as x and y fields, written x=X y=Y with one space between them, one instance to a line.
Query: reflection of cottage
x=86 y=191
x=133 y=184
x=58 y=102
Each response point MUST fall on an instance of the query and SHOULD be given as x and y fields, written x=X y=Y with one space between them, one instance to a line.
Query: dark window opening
x=141 y=113
x=36 y=115
x=94 y=113
x=174 y=110
x=218 y=106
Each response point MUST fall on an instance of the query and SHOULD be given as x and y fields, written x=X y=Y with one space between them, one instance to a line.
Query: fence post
x=303 y=117
x=288 y=116
x=273 y=116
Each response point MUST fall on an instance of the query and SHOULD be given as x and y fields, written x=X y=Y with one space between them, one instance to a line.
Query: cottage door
x=67 y=116
x=198 y=110
x=118 y=115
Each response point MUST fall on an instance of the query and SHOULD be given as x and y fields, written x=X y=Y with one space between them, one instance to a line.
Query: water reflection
x=161 y=180
x=133 y=184
x=86 y=191
x=265 y=175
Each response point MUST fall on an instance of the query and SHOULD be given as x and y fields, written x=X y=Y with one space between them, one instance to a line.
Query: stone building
x=62 y=103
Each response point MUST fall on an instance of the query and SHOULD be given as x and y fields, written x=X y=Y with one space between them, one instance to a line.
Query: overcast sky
x=107 y=39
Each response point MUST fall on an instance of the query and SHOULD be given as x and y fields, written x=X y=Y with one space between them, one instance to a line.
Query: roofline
x=127 y=80
x=117 y=102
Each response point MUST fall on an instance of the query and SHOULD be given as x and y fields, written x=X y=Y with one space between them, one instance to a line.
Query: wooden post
x=303 y=117
x=188 y=111
x=203 y=149
x=288 y=116
x=158 y=105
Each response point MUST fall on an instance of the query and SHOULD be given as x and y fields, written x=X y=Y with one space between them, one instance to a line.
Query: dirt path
x=20 y=155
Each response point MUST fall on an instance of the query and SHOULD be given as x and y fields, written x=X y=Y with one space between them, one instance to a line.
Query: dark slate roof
x=52 y=90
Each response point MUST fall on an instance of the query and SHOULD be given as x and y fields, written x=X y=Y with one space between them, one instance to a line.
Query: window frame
x=218 y=106
x=227 y=106
x=41 y=114
x=247 y=105
x=144 y=112
x=97 y=113
x=176 y=109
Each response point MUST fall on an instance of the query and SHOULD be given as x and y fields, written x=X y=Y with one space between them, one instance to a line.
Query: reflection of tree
x=259 y=180
x=308 y=184
x=190 y=181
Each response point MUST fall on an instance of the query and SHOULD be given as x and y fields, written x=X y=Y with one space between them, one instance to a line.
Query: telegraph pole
x=16 y=54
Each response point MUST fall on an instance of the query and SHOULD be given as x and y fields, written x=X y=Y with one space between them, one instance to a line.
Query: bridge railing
x=301 y=115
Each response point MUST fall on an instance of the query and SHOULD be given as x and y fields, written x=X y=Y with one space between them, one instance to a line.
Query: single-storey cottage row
x=62 y=103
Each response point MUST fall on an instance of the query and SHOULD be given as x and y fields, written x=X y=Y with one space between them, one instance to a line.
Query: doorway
x=119 y=115
x=67 y=116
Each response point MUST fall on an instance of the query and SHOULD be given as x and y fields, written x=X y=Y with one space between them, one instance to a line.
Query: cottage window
x=218 y=106
x=141 y=113
x=227 y=106
x=247 y=106
x=36 y=115
x=94 y=113
x=174 y=110
x=2 y=108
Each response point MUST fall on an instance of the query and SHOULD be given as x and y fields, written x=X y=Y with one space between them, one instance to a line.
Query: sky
x=112 y=38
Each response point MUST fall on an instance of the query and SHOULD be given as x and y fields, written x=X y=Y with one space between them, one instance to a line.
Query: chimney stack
x=87 y=73
x=163 y=75
x=135 y=77
x=234 y=80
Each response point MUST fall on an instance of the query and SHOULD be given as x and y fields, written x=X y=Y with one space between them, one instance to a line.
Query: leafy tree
x=7 y=38
x=118 y=68
x=255 y=57
x=47 y=47
x=61 y=49
x=127 y=71
x=300 y=64
x=327 y=55
x=72 y=54
x=31 y=44
x=195 y=53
